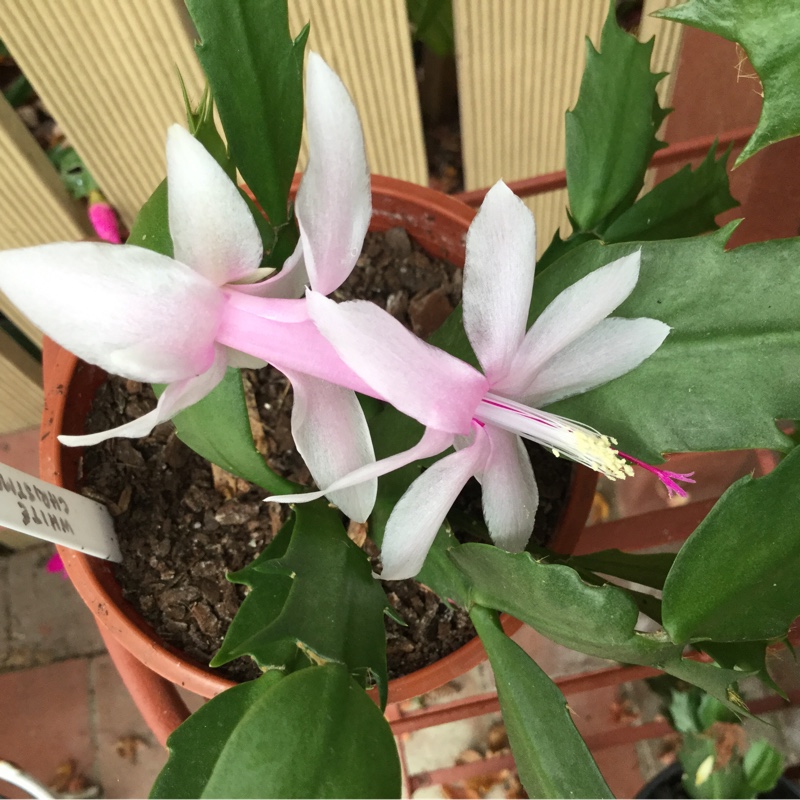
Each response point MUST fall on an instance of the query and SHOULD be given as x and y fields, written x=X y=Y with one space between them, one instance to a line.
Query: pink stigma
x=665 y=476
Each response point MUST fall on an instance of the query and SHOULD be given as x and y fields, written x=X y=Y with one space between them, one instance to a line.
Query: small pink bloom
x=56 y=565
x=103 y=219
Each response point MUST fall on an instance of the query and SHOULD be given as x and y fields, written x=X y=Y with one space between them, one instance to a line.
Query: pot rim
x=434 y=219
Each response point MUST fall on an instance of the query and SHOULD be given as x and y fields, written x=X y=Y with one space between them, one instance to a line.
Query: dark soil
x=182 y=526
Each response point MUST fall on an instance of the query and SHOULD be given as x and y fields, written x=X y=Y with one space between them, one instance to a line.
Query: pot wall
x=439 y=223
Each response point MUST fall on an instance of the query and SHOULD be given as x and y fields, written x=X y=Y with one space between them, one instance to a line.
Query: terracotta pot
x=439 y=223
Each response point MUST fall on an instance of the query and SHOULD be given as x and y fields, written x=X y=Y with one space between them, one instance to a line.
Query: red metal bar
x=645 y=530
x=461 y=772
x=598 y=741
x=684 y=151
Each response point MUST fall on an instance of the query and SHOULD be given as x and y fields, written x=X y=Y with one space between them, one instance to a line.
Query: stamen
x=665 y=476
x=560 y=435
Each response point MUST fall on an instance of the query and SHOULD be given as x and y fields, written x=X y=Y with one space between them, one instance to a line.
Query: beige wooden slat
x=666 y=50
x=20 y=387
x=106 y=70
x=369 y=46
x=519 y=69
x=34 y=207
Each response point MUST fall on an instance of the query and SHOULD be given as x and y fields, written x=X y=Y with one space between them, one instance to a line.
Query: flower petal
x=573 y=312
x=131 y=311
x=510 y=494
x=420 y=512
x=432 y=443
x=176 y=397
x=334 y=202
x=426 y=383
x=331 y=434
x=211 y=226
x=610 y=349
x=290 y=282
x=498 y=279
x=287 y=345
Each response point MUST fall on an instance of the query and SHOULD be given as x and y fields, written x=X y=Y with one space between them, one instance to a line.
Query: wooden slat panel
x=519 y=69
x=520 y=64
x=20 y=387
x=34 y=208
x=666 y=51
x=105 y=69
x=369 y=46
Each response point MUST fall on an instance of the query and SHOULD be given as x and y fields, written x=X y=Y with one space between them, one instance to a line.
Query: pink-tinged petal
x=431 y=444
x=175 y=398
x=573 y=312
x=426 y=383
x=510 y=494
x=289 y=346
x=243 y=360
x=211 y=226
x=498 y=279
x=611 y=348
x=420 y=512
x=291 y=281
x=278 y=309
x=334 y=201
x=131 y=311
x=331 y=434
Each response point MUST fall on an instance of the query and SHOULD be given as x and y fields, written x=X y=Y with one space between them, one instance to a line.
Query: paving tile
x=117 y=720
x=44 y=720
x=49 y=621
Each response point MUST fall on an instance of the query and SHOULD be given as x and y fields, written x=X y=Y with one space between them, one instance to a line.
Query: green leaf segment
x=769 y=32
x=611 y=132
x=314 y=733
x=282 y=616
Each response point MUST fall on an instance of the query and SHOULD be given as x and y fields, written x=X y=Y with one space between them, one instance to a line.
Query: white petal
x=240 y=360
x=175 y=398
x=510 y=494
x=420 y=512
x=498 y=279
x=131 y=311
x=610 y=349
x=426 y=383
x=573 y=312
x=432 y=443
x=211 y=226
x=290 y=282
x=332 y=436
x=334 y=202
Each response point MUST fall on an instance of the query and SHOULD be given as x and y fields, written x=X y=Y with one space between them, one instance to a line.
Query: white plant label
x=37 y=508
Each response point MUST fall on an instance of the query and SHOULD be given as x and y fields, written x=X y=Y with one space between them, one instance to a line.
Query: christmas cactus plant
x=635 y=336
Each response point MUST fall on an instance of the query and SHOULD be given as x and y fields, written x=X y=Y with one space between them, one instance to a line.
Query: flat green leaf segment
x=730 y=365
x=611 y=132
x=769 y=32
x=597 y=620
x=551 y=756
x=255 y=70
x=683 y=205
x=218 y=428
x=735 y=579
x=283 y=617
x=314 y=733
